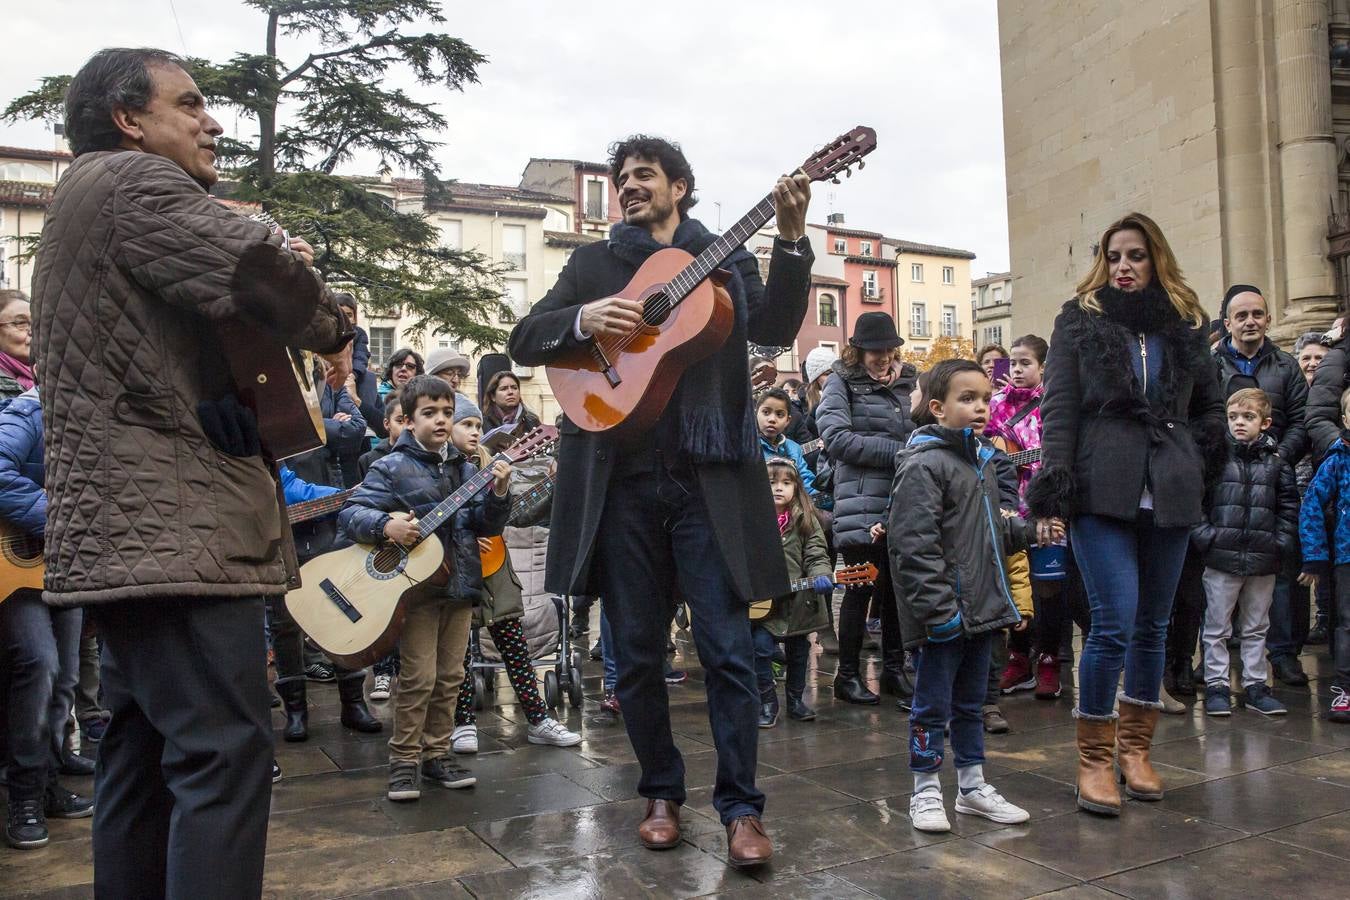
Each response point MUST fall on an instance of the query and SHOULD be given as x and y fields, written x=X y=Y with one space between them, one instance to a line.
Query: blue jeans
x=42 y=645
x=1288 y=618
x=797 y=649
x=949 y=687
x=1130 y=570
x=611 y=676
x=657 y=535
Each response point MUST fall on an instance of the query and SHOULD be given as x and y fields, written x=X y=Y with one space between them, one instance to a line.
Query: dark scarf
x=1149 y=311
x=715 y=420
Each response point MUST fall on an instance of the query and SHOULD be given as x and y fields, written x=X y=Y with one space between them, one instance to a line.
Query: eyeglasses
x=406 y=364
x=20 y=324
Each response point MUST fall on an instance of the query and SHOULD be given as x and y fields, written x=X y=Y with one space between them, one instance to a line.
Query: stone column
x=1307 y=162
x=1244 y=143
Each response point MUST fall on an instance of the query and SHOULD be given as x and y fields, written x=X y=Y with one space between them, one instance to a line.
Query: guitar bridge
x=340 y=600
x=606 y=367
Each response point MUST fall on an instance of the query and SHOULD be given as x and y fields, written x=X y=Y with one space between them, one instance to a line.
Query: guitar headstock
x=539 y=440
x=863 y=573
x=840 y=155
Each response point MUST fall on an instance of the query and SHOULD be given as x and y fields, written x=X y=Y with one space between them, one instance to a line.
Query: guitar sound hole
x=656 y=309
x=385 y=563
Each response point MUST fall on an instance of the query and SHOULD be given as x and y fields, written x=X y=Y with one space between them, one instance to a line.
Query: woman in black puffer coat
x=1133 y=423
x=864 y=420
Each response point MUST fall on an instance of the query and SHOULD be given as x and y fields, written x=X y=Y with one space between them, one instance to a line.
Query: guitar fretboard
x=461 y=495
x=536 y=494
x=319 y=506
x=715 y=254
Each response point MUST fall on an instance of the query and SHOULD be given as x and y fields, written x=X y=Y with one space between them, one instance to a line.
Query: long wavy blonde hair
x=1165 y=270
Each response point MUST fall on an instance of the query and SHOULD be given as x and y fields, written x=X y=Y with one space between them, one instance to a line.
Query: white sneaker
x=381 y=689
x=551 y=731
x=989 y=803
x=926 y=812
x=464 y=739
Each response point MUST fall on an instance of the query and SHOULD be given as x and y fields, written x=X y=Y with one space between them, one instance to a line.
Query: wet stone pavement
x=1255 y=807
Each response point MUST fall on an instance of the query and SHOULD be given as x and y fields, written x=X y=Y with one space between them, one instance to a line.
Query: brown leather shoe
x=1096 y=787
x=1134 y=739
x=747 y=844
x=660 y=830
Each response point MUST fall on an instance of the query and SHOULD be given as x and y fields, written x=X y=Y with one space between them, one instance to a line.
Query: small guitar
x=492 y=552
x=849 y=576
x=1016 y=455
x=21 y=560
x=623 y=382
x=275 y=381
x=352 y=601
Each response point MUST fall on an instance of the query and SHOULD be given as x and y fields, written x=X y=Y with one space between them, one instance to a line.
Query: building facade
x=991 y=309
x=1228 y=123
x=27 y=179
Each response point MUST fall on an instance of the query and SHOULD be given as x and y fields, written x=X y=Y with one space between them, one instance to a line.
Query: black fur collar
x=1149 y=310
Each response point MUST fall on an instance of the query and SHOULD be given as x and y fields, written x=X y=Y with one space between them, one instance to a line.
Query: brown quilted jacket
x=136 y=263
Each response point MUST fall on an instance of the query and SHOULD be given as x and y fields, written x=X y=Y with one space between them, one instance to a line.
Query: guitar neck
x=812 y=446
x=717 y=252
x=1025 y=457
x=319 y=506
x=462 y=494
x=536 y=494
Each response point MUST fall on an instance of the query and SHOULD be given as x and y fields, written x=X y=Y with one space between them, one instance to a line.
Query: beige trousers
x=431 y=648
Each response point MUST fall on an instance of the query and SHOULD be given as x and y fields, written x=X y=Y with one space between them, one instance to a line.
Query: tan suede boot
x=1097 y=791
x=1135 y=737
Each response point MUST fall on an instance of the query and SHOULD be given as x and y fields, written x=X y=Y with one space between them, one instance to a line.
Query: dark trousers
x=949 y=688
x=1289 y=617
x=853 y=612
x=1188 y=611
x=1130 y=570
x=797 y=650
x=998 y=661
x=42 y=645
x=1340 y=635
x=184 y=769
x=656 y=536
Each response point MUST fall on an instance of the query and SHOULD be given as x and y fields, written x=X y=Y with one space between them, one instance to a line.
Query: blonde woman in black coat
x=1133 y=416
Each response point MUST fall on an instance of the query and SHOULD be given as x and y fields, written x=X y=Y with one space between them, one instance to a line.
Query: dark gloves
x=230 y=426
x=822 y=584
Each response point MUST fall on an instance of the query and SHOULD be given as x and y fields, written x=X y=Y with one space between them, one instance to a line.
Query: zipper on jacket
x=997 y=545
x=1143 y=360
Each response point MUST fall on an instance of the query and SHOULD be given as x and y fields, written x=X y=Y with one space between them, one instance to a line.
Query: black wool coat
x=1251 y=523
x=1324 y=400
x=741 y=507
x=1103 y=440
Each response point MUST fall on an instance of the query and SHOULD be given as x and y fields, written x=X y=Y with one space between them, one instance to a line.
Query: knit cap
x=818 y=361
x=466 y=409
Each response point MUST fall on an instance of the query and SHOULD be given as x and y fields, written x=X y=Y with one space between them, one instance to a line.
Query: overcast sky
x=749 y=89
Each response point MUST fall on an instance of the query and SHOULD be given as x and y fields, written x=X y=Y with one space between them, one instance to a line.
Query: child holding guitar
x=1014 y=426
x=794 y=617
x=501 y=609
x=423 y=469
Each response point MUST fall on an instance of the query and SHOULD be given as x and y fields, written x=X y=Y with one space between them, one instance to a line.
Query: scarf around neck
x=714 y=415
x=21 y=371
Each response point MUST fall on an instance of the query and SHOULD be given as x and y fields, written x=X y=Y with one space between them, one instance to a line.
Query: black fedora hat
x=875 y=331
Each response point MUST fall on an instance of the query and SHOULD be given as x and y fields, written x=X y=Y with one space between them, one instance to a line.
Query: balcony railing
x=595 y=211
x=514 y=260
x=920 y=329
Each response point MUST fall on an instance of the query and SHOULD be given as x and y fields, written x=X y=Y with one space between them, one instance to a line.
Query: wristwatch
x=797 y=247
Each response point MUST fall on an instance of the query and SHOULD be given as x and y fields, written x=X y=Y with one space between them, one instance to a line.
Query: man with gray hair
x=163 y=517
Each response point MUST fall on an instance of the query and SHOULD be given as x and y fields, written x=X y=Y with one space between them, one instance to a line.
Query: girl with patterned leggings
x=501 y=612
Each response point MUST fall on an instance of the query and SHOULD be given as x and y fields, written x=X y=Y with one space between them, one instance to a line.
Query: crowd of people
x=1171 y=486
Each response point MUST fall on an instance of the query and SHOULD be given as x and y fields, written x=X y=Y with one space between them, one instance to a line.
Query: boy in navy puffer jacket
x=1324 y=531
x=422 y=470
x=1250 y=527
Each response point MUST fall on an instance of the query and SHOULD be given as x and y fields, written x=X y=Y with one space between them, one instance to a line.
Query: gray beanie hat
x=466 y=409
x=818 y=361
x=441 y=359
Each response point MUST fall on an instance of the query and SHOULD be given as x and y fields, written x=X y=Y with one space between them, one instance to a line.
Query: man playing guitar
x=684 y=503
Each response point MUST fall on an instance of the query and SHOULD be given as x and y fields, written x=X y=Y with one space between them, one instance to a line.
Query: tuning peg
x=862 y=164
x=848 y=173
x=835 y=179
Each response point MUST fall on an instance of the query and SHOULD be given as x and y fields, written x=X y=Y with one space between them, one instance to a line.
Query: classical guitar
x=492 y=551
x=1016 y=455
x=275 y=381
x=21 y=561
x=352 y=600
x=849 y=576
x=623 y=382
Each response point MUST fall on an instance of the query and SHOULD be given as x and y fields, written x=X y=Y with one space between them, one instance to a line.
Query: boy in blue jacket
x=1325 y=535
x=422 y=470
x=42 y=645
